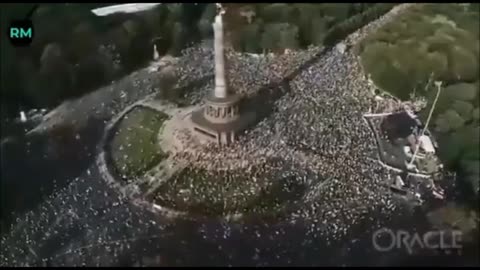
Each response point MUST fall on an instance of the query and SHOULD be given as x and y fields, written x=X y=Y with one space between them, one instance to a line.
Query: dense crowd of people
x=317 y=126
x=317 y=131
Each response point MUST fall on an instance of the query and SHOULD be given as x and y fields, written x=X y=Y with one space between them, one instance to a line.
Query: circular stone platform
x=187 y=189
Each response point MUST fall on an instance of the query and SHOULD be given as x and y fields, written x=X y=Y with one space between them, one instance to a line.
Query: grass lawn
x=134 y=147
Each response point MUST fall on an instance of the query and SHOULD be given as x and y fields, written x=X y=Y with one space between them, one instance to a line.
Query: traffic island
x=133 y=145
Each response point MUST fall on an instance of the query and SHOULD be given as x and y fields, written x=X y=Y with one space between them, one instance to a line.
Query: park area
x=435 y=43
x=134 y=146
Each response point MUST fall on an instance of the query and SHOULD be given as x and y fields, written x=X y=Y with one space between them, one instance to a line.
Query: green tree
x=463 y=65
x=450 y=148
x=251 y=36
x=289 y=36
x=437 y=64
x=469 y=135
x=476 y=100
x=388 y=75
x=205 y=28
x=455 y=121
x=309 y=23
x=463 y=108
x=318 y=31
x=474 y=182
x=306 y=11
x=83 y=40
x=441 y=124
x=155 y=18
x=476 y=114
x=277 y=13
x=204 y=25
x=175 y=11
x=179 y=37
x=278 y=36
x=373 y=55
x=339 y=11
x=471 y=174
x=461 y=91
x=140 y=46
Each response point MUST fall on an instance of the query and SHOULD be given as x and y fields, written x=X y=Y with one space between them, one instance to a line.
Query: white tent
x=426 y=144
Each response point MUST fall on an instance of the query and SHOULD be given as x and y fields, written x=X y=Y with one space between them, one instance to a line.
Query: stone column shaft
x=220 y=81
